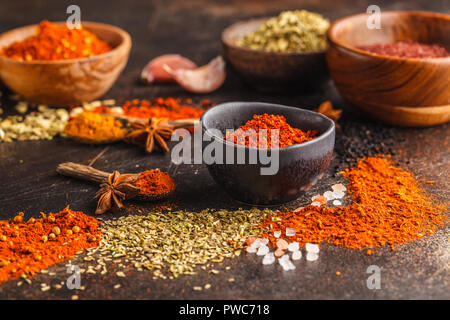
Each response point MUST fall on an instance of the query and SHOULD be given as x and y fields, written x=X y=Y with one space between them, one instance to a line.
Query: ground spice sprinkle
x=26 y=248
x=388 y=208
x=92 y=126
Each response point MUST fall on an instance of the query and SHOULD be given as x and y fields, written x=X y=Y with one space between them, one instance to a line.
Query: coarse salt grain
x=282 y=244
x=297 y=255
x=251 y=249
x=312 y=248
x=338 y=187
x=320 y=198
x=269 y=258
x=290 y=232
x=338 y=194
x=294 y=246
x=263 y=250
x=329 y=195
x=310 y=256
x=277 y=234
x=278 y=253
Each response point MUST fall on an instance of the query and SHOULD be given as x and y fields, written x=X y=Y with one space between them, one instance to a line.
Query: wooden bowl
x=272 y=71
x=399 y=91
x=66 y=82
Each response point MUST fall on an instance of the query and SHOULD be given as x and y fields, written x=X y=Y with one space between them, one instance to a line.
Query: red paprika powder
x=155 y=181
x=256 y=138
x=56 y=42
x=407 y=49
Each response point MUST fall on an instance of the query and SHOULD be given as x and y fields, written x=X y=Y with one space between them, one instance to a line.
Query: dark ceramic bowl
x=300 y=166
x=272 y=71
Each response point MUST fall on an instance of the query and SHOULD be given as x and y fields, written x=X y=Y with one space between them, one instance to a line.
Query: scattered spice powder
x=56 y=42
x=407 y=49
x=26 y=248
x=170 y=108
x=388 y=208
x=155 y=181
x=92 y=126
x=287 y=135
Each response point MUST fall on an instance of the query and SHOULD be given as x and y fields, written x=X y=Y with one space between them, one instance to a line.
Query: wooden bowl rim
x=125 y=43
x=332 y=39
x=235 y=25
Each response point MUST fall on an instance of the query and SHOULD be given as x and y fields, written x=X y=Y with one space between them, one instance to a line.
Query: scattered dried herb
x=42 y=124
x=174 y=243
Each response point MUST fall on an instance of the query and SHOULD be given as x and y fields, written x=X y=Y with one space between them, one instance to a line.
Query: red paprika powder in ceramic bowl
x=384 y=72
x=261 y=175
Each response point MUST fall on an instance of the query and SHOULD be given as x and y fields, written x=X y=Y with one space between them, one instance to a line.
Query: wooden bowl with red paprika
x=68 y=81
x=396 y=90
x=281 y=174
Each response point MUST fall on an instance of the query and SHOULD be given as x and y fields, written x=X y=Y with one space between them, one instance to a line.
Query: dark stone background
x=192 y=28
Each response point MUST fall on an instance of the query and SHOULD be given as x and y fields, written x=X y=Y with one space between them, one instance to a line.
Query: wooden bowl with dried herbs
x=284 y=52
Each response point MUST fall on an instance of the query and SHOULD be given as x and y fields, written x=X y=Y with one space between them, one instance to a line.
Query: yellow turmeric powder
x=92 y=126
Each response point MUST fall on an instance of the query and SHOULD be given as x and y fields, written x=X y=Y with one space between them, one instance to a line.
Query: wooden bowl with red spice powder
x=59 y=67
x=306 y=141
x=398 y=73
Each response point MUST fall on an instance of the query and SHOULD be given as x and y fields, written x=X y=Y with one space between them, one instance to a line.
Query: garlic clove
x=154 y=71
x=204 y=79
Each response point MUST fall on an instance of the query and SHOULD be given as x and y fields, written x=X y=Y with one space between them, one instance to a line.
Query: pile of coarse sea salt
x=286 y=251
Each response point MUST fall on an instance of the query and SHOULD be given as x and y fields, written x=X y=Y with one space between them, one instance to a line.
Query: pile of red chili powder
x=57 y=42
x=26 y=248
x=287 y=135
x=407 y=49
x=388 y=208
x=170 y=108
x=155 y=182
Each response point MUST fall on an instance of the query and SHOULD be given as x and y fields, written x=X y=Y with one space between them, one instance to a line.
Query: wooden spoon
x=83 y=172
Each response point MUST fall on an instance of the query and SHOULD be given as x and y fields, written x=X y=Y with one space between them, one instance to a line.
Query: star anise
x=145 y=134
x=114 y=190
x=326 y=108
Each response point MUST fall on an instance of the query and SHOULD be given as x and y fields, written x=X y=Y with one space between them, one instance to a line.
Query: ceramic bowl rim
x=124 y=43
x=332 y=39
x=321 y=137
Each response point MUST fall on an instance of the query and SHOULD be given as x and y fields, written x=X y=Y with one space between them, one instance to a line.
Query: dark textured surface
x=192 y=28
